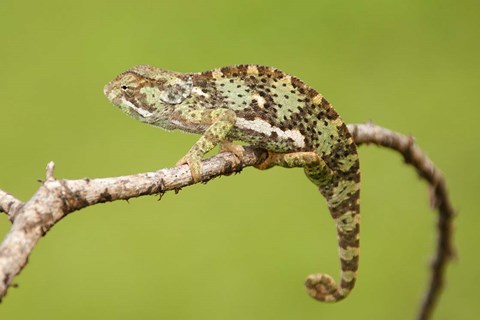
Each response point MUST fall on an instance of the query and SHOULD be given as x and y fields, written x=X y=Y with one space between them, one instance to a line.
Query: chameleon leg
x=342 y=200
x=222 y=120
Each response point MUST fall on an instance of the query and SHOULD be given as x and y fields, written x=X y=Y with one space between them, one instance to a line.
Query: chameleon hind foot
x=322 y=287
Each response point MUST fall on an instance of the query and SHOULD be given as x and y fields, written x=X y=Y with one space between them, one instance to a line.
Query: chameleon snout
x=107 y=90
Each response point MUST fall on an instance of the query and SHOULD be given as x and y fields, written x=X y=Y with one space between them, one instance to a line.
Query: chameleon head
x=144 y=91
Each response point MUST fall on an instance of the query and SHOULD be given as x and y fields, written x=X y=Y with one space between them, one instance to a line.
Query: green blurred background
x=240 y=246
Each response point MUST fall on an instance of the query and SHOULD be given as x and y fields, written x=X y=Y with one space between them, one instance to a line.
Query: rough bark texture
x=57 y=198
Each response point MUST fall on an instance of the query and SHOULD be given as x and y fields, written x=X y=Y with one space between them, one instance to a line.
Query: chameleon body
x=267 y=108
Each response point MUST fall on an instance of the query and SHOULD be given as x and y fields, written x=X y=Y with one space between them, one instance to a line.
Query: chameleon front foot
x=322 y=287
x=194 y=163
x=194 y=158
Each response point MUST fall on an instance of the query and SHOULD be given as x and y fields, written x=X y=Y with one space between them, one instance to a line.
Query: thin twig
x=57 y=198
x=370 y=133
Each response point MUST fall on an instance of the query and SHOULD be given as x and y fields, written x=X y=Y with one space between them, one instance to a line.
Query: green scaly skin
x=266 y=108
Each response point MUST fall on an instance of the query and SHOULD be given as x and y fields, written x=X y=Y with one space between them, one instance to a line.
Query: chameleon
x=269 y=109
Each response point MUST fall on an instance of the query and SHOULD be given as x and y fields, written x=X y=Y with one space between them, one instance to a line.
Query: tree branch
x=57 y=198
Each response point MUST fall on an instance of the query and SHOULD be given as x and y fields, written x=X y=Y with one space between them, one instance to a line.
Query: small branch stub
x=50 y=170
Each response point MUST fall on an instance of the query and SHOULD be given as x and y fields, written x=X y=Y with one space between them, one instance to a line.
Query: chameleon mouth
x=142 y=112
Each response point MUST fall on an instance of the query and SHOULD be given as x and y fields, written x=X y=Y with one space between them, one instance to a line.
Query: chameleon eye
x=127 y=90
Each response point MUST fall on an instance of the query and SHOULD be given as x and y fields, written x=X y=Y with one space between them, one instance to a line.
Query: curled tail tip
x=322 y=287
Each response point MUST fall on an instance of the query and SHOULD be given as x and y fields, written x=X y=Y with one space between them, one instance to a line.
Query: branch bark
x=57 y=198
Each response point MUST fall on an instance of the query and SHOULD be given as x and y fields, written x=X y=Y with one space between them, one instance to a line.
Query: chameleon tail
x=342 y=191
x=343 y=202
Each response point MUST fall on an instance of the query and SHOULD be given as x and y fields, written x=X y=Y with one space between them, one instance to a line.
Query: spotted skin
x=267 y=108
